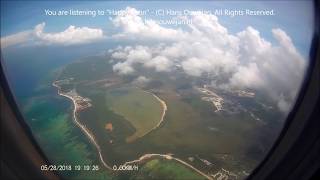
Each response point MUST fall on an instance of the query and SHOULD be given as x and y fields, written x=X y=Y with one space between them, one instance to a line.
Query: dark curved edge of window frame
x=289 y=166
x=256 y=174
x=9 y=98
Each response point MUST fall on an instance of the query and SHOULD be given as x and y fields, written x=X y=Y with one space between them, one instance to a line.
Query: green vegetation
x=140 y=108
x=191 y=127
x=96 y=118
x=166 y=169
x=81 y=70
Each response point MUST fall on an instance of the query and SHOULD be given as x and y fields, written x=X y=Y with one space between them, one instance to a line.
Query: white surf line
x=168 y=157
x=81 y=126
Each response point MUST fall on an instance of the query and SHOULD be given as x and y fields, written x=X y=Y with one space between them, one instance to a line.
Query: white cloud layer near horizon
x=245 y=59
x=17 y=38
x=70 y=36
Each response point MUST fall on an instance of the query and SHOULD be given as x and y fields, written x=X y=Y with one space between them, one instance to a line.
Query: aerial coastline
x=144 y=157
x=81 y=126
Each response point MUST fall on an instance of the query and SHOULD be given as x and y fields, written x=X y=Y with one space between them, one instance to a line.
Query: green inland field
x=138 y=107
x=166 y=125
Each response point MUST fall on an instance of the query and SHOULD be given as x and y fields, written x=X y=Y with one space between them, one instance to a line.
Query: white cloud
x=159 y=63
x=128 y=57
x=71 y=35
x=140 y=54
x=119 y=55
x=195 y=66
x=247 y=76
x=133 y=26
x=245 y=60
x=123 y=68
x=252 y=43
x=278 y=69
x=17 y=38
x=141 y=80
x=284 y=105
